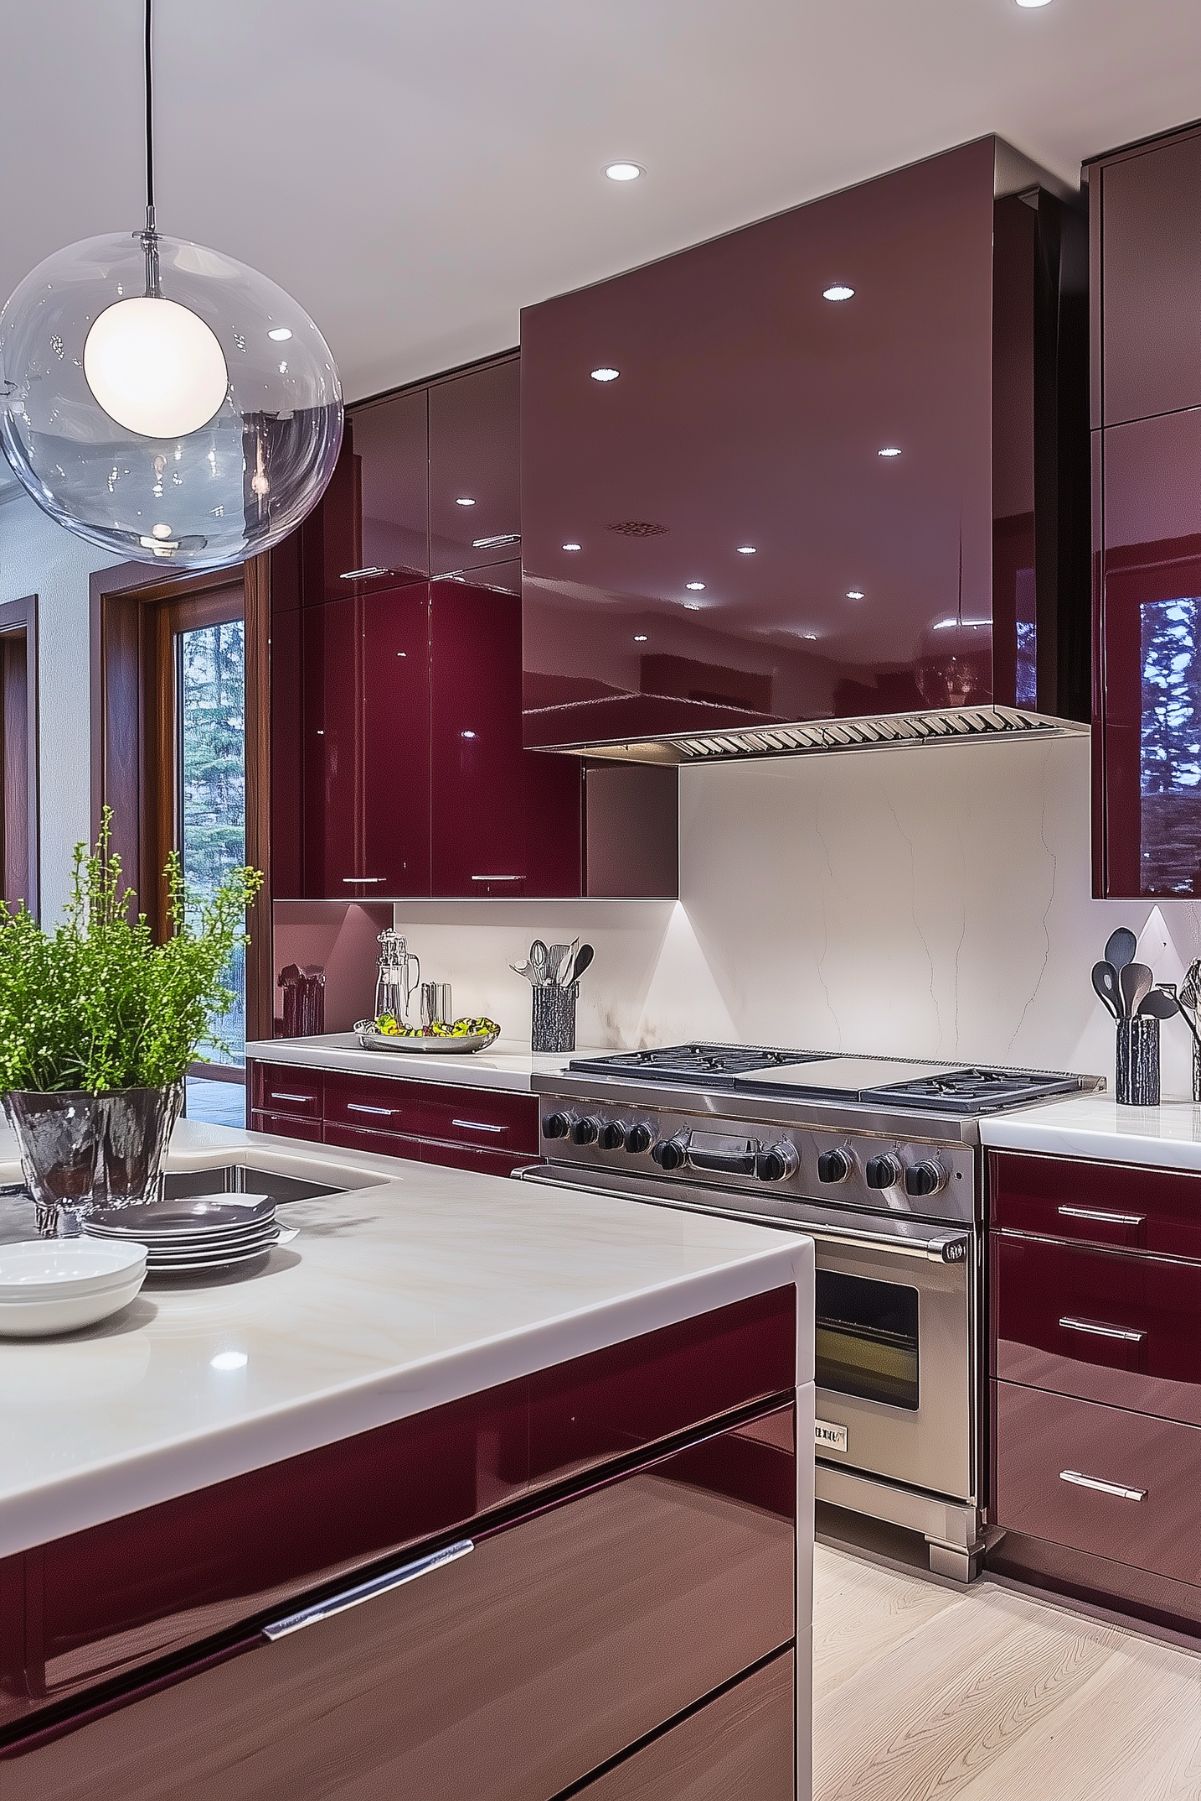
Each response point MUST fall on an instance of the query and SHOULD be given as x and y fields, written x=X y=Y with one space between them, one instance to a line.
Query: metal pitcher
x=399 y=974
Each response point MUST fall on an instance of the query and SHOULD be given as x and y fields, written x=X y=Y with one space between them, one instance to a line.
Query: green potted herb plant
x=98 y=1025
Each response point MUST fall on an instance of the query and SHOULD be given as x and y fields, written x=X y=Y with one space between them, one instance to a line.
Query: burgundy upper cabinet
x=372 y=528
x=474 y=468
x=1148 y=222
x=1146 y=230
x=745 y=502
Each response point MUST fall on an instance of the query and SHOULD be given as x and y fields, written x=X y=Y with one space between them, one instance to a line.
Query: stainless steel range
x=879 y=1161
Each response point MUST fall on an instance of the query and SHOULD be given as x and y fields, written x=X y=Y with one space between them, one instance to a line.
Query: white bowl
x=51 y=1286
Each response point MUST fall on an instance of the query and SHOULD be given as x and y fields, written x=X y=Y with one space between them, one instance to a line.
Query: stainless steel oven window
x=867 y=1339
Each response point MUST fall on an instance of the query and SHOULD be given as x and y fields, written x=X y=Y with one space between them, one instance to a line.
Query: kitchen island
x=475 y=1490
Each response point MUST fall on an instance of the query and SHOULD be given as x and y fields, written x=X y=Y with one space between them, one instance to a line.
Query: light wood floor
x=923 y=1693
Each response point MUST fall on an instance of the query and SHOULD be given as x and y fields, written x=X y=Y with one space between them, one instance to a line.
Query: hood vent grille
x=883 y=731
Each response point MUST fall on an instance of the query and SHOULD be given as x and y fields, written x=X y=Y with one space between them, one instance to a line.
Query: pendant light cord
x=150 y=235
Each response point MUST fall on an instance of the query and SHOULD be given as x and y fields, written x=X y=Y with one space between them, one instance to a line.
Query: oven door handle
x=953 y=1246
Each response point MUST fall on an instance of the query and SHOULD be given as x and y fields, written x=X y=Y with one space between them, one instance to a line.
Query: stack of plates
x=202 y=1233
x=57 y=1286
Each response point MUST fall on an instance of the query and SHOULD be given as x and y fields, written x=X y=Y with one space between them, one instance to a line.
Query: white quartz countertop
x=511 y=1065
x=415 y=1287
x=1094 y=1127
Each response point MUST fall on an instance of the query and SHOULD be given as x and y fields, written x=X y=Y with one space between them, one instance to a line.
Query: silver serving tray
x=454 y=1047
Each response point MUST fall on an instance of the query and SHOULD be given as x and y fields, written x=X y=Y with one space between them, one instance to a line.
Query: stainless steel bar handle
x=278 y=1094
x=498 y=878
x=378 y=1112
x=1127 y=1333
x=367 y=880
x=366 y=1591
x=1118 y=1489
x=477 y=1125
x=1099 y=1213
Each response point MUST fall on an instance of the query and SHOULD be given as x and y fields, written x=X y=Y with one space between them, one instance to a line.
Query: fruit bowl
x=459 y=1039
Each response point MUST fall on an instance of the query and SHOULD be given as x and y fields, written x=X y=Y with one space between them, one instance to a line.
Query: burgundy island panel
x=109 y=1602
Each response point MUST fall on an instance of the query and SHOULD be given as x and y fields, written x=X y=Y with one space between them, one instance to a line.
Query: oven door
x=895 y=1328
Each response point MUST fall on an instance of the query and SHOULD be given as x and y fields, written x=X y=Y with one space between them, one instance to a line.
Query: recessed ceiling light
x=640 y=637
x=605 y=374
x=467 y=734
x=573 y=547
x=855 y=594
x=465 y=500
x=746 y=550
x=280 y=335
x=889 y=450
x=839 y=291
x=695 y=587
x=624 y=171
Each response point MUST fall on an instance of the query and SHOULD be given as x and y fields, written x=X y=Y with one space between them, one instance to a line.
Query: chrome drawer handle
x=1127 y=1333
x=365 y=880
x=362 y=1107
x=477 y=1125
x=1106 y=1219
x=1103 y=1488
x=366 y=1591
x=277 y=1096
x=498 y=878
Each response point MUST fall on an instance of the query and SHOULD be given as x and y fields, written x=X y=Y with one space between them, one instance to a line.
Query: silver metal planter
x=80 y=1151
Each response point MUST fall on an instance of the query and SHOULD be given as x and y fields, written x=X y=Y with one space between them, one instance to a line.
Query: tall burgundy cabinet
x=398 y=768
x=813 y=470
x=1145 y=217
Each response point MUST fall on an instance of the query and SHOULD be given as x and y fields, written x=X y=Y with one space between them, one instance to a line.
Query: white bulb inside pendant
x=155 y=367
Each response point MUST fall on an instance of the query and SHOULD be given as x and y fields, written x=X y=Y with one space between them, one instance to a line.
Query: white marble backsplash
x=934 y=901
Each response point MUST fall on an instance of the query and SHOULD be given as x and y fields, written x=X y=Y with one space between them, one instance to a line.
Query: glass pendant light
x=161 y=399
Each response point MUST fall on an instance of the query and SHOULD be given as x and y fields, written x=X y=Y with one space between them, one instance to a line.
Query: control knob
x=923 y=1178
x=638 y=1139
x=833 y=1166
x=584 y=1131
x=883 y=1171
x=556 y=1125
x=668 y=1153
x=778 y=1161
x=612 y=1135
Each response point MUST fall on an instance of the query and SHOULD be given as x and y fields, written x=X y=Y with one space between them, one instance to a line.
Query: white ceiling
x=414 y=171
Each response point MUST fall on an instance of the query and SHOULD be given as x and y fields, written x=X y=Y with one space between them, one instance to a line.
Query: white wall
x=932 y=901
x=39 y=557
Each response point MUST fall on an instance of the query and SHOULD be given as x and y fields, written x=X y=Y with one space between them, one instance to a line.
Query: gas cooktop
x=823 y=1075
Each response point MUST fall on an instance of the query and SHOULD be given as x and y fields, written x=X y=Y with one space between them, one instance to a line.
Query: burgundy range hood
x=818 y=484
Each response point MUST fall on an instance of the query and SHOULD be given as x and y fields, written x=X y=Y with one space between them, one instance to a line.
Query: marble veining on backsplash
x=932 y=901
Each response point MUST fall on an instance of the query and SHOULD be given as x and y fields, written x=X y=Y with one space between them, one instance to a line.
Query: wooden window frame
x=19 y=622
x=132 y=750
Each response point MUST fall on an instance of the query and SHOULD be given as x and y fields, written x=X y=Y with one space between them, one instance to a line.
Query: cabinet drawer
x=467 y=1156
x=1099 y=1480
x=286 y=1126
x=422 y=1150
x=382 y=1144
x=286 y=1088
x=1109 y=1204
x=742 y=1744
x=487 y=1118
x=1099 y=1324
x=544 y=1651
x=373 y=1103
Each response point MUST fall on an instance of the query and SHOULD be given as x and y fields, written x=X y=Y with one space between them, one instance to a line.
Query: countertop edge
x=1095 y=1129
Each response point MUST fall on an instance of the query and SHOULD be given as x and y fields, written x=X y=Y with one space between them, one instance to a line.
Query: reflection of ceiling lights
x=839 y=291
x=640 y=637
x=963 y=625
x=280 y=334
x=695 y=587
x=464 y=500
x=605 y=374
x=855 y=594
x=889 y=450
x=693 y=606
x=1032 y=3
x=624 y=171
x=746 y=550
x=573 y=547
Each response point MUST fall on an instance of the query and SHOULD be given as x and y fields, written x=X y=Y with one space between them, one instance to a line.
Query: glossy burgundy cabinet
x=1095 y=1365
x=372 y=528
x=474 y=468
x=746 y=555
x=1147 y=345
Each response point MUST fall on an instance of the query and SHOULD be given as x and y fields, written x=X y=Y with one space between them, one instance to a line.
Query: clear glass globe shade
x=228 y=488
x=155 y=367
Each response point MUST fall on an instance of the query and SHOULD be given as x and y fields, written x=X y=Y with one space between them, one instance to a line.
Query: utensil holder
x=1137 y=1074
x=553 y=1026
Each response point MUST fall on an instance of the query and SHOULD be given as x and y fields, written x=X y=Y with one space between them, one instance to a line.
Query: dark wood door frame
x=20 y=839
x=128 y=744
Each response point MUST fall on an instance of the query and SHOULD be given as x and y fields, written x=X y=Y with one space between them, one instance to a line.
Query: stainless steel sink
x=244 y=1178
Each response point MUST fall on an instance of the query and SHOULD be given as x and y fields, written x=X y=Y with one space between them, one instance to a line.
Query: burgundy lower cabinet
x=1095 y=1359
x=632 y=1628
x=491 y=1130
